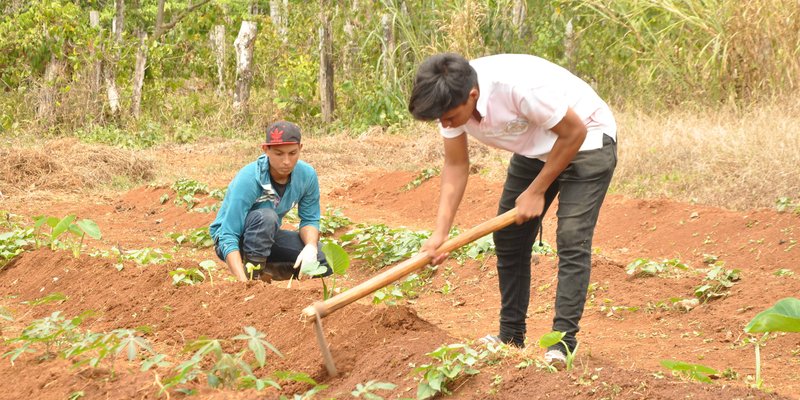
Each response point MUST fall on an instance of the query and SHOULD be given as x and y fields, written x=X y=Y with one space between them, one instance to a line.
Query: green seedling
x=199 y=238
x=331 y=221
x=717 y=282
x=453 y=361
x=366 y=389
x=58 y=227
x=229 y=370
x=13 y=243
x=257 y=344
x=784 y=316
x=406 y=290
x=187 y=276
x=542 y=248
x=644 y=267
x=555 y=337
x=380 y=245
x=783 y=272
x=186 y=189
x=62 y=337
x=50 y=298
x=300 y=377
x=696 y=372
x=250 y=269
x=339 y=261
x=784 y=204
x=423 y=176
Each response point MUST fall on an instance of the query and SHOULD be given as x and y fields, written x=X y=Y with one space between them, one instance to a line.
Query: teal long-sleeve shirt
x=251 y=189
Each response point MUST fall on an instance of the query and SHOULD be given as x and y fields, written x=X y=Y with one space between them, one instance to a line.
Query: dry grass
x=736 y=158
x=66 y=165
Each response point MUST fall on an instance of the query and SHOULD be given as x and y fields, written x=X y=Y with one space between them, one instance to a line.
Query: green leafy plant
x=784 y=204
x=250 y=269
x=380 y=245
x=407 y=290
x=229 y=370
x=199 y=238
x=187 y=276
x=643 y=267
x=58 y=227
x=542 y=248
x=696 y=372
x=333 y=220
x=339 y=261
x=424 y=175
x=13 y=243
x=783 y=272
x=452 y=362
x=50 y=298
x=717 y=282
x=784 y=316
x=365 y=390
x=555 y=337
x=185 y=191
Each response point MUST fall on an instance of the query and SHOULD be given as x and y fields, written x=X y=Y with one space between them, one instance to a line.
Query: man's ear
x=474 y=93
x=299 y=146
x=264 y=147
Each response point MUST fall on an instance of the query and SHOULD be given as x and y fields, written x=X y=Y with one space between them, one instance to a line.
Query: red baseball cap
x=282 y=132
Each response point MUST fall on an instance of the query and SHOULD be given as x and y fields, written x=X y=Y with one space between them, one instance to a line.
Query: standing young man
x=248 y=224
x=563 y=139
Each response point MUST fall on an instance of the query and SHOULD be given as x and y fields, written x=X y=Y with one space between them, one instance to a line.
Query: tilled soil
x=626 y=330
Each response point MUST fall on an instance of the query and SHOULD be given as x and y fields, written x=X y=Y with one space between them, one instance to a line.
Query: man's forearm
x=309 y=235
x=234 y=261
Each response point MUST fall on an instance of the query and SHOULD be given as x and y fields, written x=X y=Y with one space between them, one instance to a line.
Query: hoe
x=321 y=309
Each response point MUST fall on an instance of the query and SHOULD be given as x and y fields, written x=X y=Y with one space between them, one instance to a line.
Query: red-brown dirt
x=620 y=349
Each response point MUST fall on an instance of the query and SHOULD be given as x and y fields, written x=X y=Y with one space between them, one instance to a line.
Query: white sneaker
x=490 y=339
x=556 y=358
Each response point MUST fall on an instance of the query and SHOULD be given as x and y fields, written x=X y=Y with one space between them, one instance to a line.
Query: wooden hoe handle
x=323 y=308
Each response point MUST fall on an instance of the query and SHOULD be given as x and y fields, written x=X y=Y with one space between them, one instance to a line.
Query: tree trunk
x=95 y=79
x=138 y=75
x=388 y=47
x=519 y=13
x=278 y=10
x=569 y=46
x=325 y=65
x=109 y=69
x=46 y=109
x=217 y=37
x=244 y=44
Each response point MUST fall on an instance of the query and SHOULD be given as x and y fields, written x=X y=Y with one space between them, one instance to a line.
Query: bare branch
x=162 y=29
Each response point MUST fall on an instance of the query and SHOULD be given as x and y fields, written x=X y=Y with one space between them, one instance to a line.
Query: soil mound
x=366 y=341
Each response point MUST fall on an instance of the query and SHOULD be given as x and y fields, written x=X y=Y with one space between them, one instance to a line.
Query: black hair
x=443 y=82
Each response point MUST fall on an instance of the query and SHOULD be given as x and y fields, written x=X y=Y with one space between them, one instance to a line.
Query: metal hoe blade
x=323 y=346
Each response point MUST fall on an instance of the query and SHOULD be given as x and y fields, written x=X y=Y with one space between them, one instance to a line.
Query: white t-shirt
x=522 y=97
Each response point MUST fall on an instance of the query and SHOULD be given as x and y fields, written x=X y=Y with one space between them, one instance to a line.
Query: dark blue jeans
x=264 y=242
x=581 y=188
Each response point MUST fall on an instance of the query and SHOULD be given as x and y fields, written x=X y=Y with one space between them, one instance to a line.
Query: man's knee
x=262 y=219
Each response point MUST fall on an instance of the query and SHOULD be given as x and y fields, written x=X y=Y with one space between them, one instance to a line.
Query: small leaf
x=90 y=228
x=62 y=226
x=550 y=339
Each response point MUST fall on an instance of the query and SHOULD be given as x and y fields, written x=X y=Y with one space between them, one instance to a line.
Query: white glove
x=307 y=256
